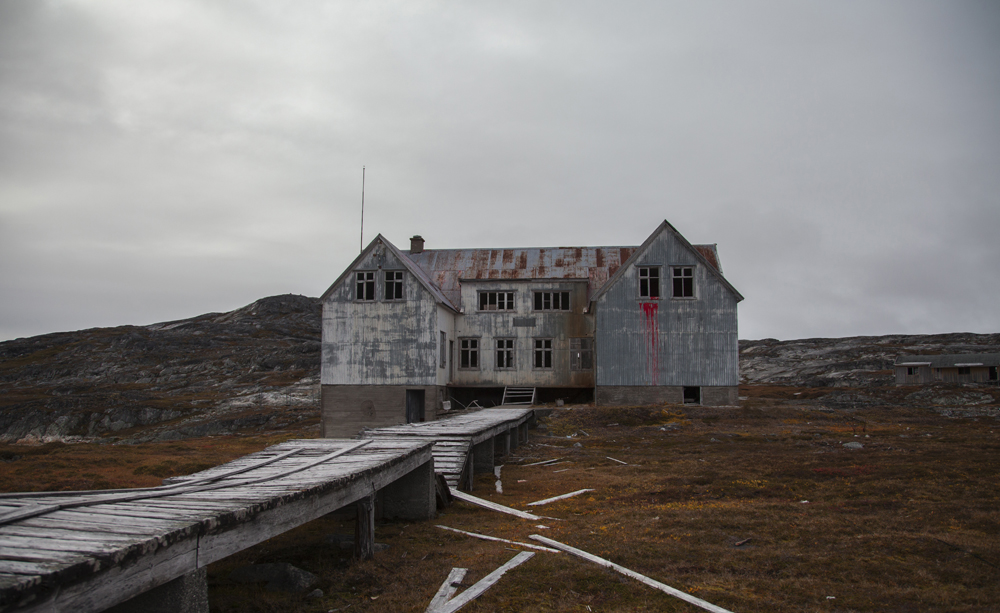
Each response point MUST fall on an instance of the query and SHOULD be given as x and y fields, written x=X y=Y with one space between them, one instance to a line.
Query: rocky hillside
x=857 y=361
x=257 y=369
x=251 y=369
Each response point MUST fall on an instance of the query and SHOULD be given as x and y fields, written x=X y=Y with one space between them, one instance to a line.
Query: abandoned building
x=960 y=368
x=406 y=333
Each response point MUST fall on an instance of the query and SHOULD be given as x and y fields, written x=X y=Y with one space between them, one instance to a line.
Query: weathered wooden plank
x=555 y=498
x=447 y=589
x=484 y=584
x=698 y=602
x=486 y=537
x=492 y=505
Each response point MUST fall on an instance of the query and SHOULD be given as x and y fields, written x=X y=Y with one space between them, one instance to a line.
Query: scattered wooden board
x=486 y=504
x=450 y=606
x=499 y=540
x=555 y=498
x=698 y=602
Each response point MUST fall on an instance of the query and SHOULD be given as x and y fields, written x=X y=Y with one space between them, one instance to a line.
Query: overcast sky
x=164 y=159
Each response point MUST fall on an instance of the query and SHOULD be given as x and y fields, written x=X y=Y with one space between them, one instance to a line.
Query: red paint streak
x=653 y=340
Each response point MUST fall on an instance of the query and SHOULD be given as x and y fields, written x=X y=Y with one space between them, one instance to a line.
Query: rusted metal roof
x=446 y=268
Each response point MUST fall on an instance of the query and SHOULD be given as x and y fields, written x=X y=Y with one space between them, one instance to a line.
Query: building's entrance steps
x=518 y=396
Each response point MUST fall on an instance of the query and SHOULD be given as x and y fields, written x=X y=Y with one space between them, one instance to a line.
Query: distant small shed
x=960 y=368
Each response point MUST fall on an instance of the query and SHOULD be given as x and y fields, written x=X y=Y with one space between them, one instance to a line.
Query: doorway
x=414 y=406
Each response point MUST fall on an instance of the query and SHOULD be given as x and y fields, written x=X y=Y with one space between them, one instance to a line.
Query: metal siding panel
x=667 y=342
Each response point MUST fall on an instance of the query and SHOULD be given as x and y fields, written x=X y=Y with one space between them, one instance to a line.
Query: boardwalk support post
x=482 y=455
x=412 y=496
x=364 y=528
x=188 y=593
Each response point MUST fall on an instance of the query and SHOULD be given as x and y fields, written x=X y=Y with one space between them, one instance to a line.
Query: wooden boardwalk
x=465 y=444
x=88 y=551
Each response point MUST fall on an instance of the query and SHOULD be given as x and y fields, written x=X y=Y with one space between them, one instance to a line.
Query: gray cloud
x=163 y=161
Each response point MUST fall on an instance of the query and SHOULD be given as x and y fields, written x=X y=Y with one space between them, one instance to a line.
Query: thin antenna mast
x=362 y=210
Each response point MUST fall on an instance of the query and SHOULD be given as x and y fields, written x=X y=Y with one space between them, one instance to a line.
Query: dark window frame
x=682 y=282
x=542 y=354
x=502 y=300
x=581 y=354
x=364 y=286
x=468 y=352
x=912 y=370
x=393 y=282
x=551 y=300
x=649 y=282
x=504 y=356
x=443 y=361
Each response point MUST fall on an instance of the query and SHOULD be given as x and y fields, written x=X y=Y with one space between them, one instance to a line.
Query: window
x=394 y=285
x=496 y=301
x=551 y=301
x=649 y=282
x=444 y=350
x=581 y=354
x=469 y=353
x=505 y=354
x=365 y=287
x=964 y=370
x=683 y=278
x=912 y=370
x=543 y=353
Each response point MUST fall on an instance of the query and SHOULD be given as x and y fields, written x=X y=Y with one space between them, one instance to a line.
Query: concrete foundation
x=640 y=395
x=412 y=496
x=347 y=409
x=482 y=457
x=187 y=593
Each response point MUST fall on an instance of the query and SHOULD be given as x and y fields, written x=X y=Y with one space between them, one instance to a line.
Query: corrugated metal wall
x=687 y=342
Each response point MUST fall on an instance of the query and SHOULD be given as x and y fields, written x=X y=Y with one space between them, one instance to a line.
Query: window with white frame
x=394 y=285
x=543 y=353
x=683 y=281
x=505 y=354
x=468 y=352
x=551 y=301
x=649 y=282
x=581 y=354
x=364 y=288
x=496 y=301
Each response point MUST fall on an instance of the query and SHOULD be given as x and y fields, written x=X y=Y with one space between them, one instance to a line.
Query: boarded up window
x=649 y=282
x=581 y=354
x=683 y=281
x=365 y=286
x=551 y=301
x=469 y=353
x=543 y=353
x=394 y=285
x=505 y=354
x=496 y=301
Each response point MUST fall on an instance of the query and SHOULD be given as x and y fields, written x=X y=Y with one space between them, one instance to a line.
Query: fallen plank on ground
x=555 y=498
x=450 y=606
x=698 y=602
x=500 y=540
x=491 y=505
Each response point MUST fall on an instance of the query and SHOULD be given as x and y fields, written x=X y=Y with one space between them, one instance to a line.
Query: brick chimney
x=416 y=244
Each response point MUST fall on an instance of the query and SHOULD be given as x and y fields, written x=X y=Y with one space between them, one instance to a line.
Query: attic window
x=496 y=301
x=683 y=281
x=551 y=301
x=365 y=286
x=394 y=285
x=649 y=282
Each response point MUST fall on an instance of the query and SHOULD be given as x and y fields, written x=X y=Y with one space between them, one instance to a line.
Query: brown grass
x=712 y=502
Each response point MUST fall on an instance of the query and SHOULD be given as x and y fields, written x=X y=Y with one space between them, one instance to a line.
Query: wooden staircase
x=518 y=396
